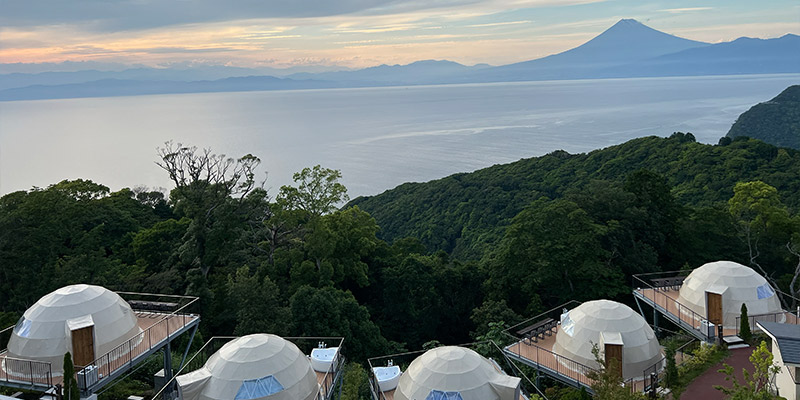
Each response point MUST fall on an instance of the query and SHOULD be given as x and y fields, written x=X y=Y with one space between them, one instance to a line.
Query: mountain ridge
x=626 y=49
x=776 y=121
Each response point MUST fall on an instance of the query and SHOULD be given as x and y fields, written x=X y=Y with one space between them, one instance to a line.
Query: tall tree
x=318 y=191
x=331 y=312
x=760 y=216
x=204 y=185
x=553 y=251
x=258 y=304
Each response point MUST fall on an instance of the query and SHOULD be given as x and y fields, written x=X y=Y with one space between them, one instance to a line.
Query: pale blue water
x=377 y=137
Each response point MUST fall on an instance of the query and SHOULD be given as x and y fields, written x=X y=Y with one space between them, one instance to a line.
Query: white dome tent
x=259 y=366
x=603 y=322
x=51 y=327
x=455 y=373
x=736 y=283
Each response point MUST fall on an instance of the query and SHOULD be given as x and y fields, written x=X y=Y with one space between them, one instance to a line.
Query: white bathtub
x=387 y=377
x=322 y=359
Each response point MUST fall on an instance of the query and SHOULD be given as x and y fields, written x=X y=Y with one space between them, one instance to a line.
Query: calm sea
x=378 y=137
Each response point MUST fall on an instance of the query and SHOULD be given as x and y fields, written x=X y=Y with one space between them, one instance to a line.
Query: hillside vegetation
x=466 y=214
x=459 y=259
x=776 y=121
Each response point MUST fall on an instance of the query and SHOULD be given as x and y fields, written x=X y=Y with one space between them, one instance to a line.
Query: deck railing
x=330 y=380
x=20 y=371
x=786 y=317
x=671 y=306
x=566 y=368
x=101 y=368
x=554 y=313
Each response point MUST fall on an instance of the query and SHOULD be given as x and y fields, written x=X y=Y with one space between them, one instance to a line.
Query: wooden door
x=83 y=346
x=614 y=352
x=714 y=310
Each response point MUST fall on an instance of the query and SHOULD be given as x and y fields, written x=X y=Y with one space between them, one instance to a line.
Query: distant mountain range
x=627 y=49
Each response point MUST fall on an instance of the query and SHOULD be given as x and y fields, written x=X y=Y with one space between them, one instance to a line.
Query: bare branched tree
x=188 y=166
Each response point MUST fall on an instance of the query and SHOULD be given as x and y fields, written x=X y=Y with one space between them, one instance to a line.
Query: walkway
x=703 y=386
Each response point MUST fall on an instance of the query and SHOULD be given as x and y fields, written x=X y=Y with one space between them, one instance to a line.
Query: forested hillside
x=467 y=214
x=496 y=245
x=776 y=121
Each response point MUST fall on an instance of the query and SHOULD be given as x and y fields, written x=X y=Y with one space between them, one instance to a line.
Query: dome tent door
x=82 y=334
x=714 y=307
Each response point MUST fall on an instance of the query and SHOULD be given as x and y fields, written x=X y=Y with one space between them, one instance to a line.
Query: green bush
x=744 y=326
x=71 y=391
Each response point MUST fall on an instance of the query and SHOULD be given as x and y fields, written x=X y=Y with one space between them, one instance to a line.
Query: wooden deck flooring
x=540 y=354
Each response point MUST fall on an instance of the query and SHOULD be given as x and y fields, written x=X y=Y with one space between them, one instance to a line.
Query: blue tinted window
x=439 y=395
x=257 y=388
x=765 y=291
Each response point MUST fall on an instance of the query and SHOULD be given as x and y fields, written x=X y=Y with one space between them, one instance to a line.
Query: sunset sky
x=354 y=33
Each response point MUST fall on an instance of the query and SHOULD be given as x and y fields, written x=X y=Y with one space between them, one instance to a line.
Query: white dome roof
x=43 y=333
x=253 y=367
x=588 y=323
x=455 y=369
x=737 y=283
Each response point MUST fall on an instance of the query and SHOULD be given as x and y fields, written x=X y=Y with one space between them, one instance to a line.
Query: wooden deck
x=539 y=354
x=666 y=301
x=155 y=329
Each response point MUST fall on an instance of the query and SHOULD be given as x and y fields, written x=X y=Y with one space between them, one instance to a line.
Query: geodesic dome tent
x=259 y=366
x=44 y=333
x=455 y=373
x=736 y=283
x=597 y=322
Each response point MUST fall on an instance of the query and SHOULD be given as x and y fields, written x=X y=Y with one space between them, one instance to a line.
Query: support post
x=188 y=346
x=655 y=320
x=167 y=369
x=641 y=312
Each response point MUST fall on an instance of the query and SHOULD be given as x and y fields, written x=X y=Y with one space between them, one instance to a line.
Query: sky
x=354 y=33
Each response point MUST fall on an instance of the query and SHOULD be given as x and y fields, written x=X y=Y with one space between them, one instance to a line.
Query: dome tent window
x=439 y=395
x=567 y=325
x=765 y=291
x=23 y=327
x=258 y=388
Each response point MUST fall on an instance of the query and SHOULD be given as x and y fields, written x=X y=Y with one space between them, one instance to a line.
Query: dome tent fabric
x=737 y=283
x=588 y=324
x=43 y=332
x=452 y=372
x=259 y=366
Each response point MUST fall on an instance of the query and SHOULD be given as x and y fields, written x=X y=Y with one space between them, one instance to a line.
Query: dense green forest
x=434 y=261
x=467 y=214
x=776 y=121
